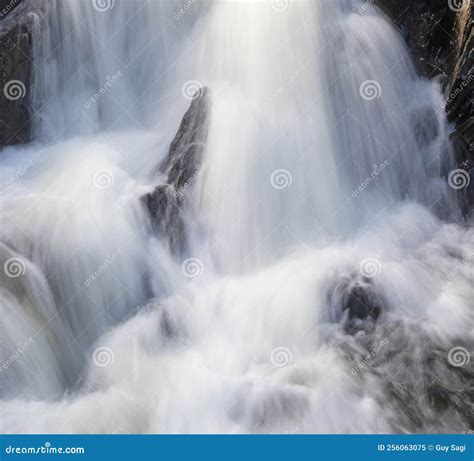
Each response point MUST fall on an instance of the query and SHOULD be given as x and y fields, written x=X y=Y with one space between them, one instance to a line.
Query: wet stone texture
x=16 y=25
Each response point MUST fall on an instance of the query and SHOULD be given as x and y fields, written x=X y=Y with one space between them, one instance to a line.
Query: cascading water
x=325 y=286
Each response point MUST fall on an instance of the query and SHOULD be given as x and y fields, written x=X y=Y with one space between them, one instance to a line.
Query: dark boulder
x=180 y=169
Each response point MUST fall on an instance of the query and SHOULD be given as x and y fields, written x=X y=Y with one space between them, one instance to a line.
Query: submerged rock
x=180 y=169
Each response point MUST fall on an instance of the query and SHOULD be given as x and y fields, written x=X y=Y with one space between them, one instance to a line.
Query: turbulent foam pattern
x=325 y=275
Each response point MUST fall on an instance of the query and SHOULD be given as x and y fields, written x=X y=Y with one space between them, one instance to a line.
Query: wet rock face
x=180 y=169
x=428 y=28
x=15 y=71
x=440 y=35
x=421 y=384
x=460 y=103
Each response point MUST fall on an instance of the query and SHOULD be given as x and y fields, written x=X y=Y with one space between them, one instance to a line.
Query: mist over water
x=327 y=282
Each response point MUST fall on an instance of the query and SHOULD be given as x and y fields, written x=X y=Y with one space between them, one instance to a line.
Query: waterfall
x=290 y=258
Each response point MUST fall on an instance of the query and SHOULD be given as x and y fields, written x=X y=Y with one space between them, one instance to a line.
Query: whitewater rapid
x=323 y=185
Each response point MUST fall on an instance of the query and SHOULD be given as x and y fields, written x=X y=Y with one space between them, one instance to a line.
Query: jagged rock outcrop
x=460 y=101
x=180 y=170
x=15 y=60
x=440 y=36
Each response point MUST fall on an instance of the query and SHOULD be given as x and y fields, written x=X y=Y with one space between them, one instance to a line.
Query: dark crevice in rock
x=355 y=301
x=180 y=170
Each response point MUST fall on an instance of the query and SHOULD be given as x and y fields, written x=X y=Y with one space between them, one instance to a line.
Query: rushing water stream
x=326 y=284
